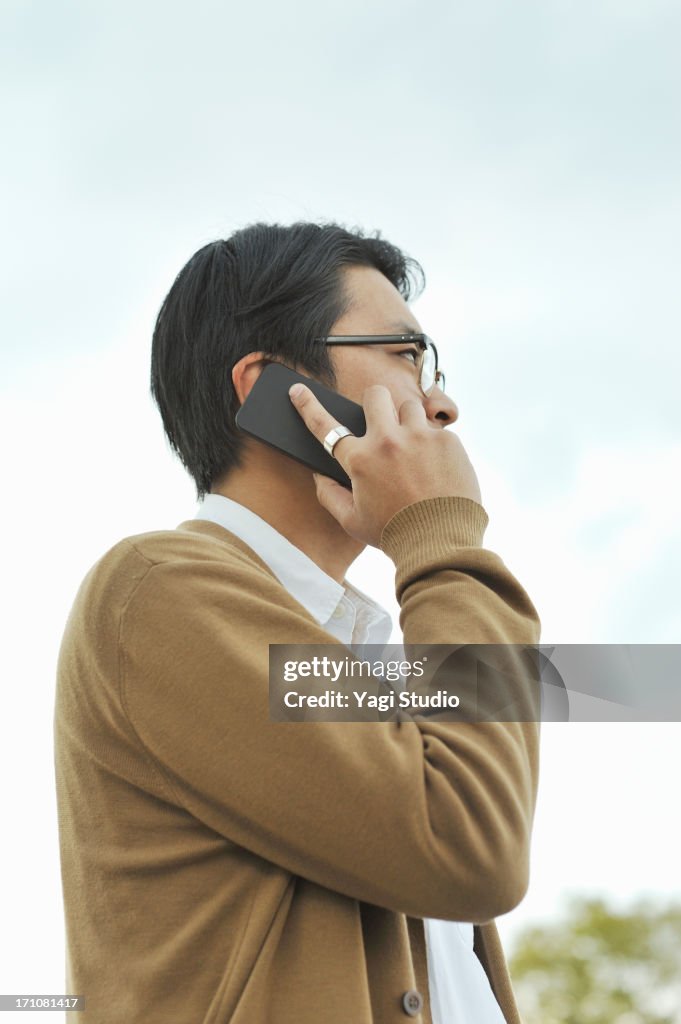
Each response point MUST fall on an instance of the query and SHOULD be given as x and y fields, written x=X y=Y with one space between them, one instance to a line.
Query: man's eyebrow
x=403 y=328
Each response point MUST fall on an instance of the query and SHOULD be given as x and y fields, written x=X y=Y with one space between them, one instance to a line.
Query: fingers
x=335 y=499
x=318 y=421
x=379 y=409
x=412 y=414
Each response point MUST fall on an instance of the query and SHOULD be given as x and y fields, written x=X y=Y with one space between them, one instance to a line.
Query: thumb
x=335 y=498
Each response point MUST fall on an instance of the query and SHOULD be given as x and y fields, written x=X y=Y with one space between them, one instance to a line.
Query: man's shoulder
x=171 y=558
x=194 y=540
x=166 y=584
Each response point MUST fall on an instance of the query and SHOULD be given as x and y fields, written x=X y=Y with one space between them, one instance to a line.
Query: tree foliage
x=601 y=966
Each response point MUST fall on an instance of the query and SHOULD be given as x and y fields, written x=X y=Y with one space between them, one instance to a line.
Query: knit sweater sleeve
x=427 y=817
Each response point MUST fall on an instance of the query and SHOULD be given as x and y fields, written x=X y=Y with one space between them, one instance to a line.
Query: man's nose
x=441 y=410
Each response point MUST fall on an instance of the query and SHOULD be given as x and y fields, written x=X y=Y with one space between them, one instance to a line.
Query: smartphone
x=269 y=415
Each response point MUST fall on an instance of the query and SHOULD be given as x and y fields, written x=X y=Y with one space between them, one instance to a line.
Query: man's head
x=376 y=309
x=272 y=290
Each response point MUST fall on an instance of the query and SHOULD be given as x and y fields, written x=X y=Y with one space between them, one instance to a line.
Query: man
x=219 y=866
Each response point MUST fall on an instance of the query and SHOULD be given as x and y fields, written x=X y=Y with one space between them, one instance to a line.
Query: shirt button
x=412 y=1001
x=338 y=612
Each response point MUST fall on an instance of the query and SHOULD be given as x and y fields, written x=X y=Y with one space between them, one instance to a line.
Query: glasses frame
x=395 y=339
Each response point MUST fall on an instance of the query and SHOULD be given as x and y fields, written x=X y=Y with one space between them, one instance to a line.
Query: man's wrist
x=438 y=523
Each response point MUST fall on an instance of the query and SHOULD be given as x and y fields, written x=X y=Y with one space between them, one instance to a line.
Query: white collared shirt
x=458 y=986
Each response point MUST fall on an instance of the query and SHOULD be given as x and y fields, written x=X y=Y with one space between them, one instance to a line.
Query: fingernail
x=295 y=390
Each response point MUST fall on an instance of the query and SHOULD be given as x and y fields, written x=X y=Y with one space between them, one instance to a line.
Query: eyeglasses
x=426 y=362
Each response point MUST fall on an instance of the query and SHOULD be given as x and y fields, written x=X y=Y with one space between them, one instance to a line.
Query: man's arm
x=429 y=818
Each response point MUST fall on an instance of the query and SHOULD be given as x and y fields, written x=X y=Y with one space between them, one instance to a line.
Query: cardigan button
x=412 y=1002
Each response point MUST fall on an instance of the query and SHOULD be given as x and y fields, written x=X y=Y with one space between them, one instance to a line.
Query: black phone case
x=269 y=415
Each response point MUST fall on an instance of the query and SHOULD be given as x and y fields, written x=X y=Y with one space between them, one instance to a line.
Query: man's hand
x=400 y=460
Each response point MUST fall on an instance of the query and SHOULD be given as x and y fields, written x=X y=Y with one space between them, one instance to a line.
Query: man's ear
x=246 y=372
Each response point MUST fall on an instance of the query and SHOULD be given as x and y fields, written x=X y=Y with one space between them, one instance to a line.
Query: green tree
x=600 y=966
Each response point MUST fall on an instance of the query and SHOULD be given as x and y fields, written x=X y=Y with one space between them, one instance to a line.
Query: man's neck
x=283 y=494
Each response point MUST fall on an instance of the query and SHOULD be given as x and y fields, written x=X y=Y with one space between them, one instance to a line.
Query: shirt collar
x=317 y=592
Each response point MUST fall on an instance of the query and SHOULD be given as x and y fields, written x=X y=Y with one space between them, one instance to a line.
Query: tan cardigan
x=221 y=867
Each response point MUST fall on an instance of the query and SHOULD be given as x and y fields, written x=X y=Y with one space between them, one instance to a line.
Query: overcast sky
x=528 y=155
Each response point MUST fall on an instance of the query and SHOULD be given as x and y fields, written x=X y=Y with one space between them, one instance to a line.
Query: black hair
x=269 y=288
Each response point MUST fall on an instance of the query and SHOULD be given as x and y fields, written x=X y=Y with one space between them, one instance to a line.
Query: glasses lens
x=428 y=370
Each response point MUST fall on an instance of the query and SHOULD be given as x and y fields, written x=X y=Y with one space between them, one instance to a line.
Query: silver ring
x=334 y=436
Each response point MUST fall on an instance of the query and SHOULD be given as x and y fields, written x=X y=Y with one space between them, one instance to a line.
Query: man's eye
x=410 y=352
